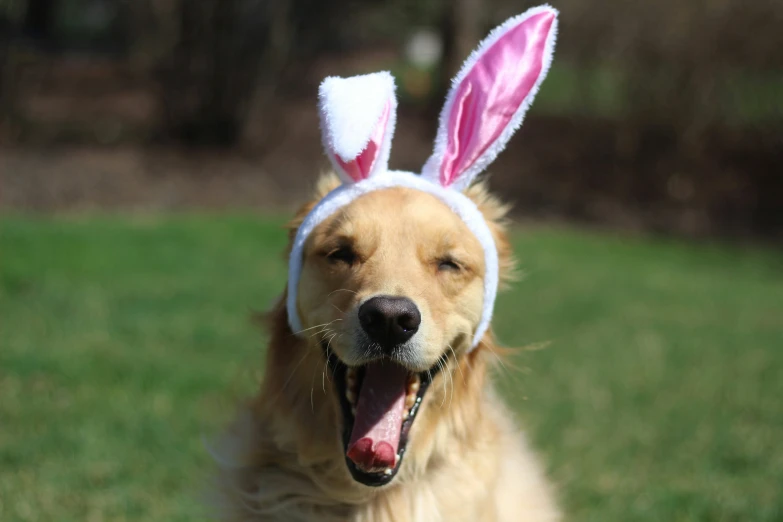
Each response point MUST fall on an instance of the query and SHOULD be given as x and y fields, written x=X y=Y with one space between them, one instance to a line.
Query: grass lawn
x=652 y=382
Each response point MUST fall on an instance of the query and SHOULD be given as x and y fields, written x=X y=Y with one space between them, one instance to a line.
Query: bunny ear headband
x=486 y=104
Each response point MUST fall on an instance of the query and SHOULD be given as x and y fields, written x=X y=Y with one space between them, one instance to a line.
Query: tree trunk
x=8 y=99
x=39 y=20
x=461 y=30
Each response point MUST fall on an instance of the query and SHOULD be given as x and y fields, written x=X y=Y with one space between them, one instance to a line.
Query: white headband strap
x=345 y=194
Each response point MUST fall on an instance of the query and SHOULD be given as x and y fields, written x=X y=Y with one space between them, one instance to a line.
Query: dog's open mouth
x=379 y=402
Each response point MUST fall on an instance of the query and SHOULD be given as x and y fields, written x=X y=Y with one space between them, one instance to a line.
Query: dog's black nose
x=388 y=320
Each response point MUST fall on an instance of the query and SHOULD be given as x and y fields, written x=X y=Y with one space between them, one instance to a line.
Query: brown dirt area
x=554 y=168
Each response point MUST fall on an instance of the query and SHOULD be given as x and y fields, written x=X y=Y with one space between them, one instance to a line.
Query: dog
x=464 y=458
x=377 y=403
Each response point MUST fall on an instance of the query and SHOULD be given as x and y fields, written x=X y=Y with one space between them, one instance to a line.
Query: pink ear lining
x=361 y=167
x=490 y=94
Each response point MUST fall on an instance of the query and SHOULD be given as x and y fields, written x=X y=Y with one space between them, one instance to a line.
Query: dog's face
x=395 y=274
x=391 y=289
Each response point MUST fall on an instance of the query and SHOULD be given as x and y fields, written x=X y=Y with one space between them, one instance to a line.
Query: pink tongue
x=376 y=429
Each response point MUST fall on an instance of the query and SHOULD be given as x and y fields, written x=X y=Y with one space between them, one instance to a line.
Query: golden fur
x=282 y=459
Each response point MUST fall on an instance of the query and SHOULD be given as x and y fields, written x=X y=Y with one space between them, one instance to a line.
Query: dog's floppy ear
x=490 y=95
x=357 y=123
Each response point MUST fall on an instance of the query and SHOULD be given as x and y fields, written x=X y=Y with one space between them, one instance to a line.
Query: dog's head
x=393 y=275
x=391 y=292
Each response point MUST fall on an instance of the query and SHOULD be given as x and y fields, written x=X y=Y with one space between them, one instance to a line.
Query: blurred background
x=660 y=115
x=150 y=151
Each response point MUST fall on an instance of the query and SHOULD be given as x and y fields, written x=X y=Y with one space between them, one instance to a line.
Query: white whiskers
x=459 y=366
x=314 y=327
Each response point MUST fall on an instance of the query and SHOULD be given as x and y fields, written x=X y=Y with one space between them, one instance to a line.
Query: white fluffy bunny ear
x=490 y=95
x=357 y=123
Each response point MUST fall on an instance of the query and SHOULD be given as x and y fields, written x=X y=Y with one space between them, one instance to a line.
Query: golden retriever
x=392 y=266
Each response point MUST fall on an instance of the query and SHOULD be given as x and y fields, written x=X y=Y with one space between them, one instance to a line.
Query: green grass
x=656 y=391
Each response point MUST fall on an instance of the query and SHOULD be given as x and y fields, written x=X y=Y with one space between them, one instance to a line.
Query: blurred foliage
x=690 y=66
x=683 y=95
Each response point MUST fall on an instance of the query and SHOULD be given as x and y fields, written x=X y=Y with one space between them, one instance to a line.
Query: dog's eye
x=448 y=265
x=343 y=254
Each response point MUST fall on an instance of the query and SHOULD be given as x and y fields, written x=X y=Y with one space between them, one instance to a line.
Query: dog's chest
x=419 y=504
